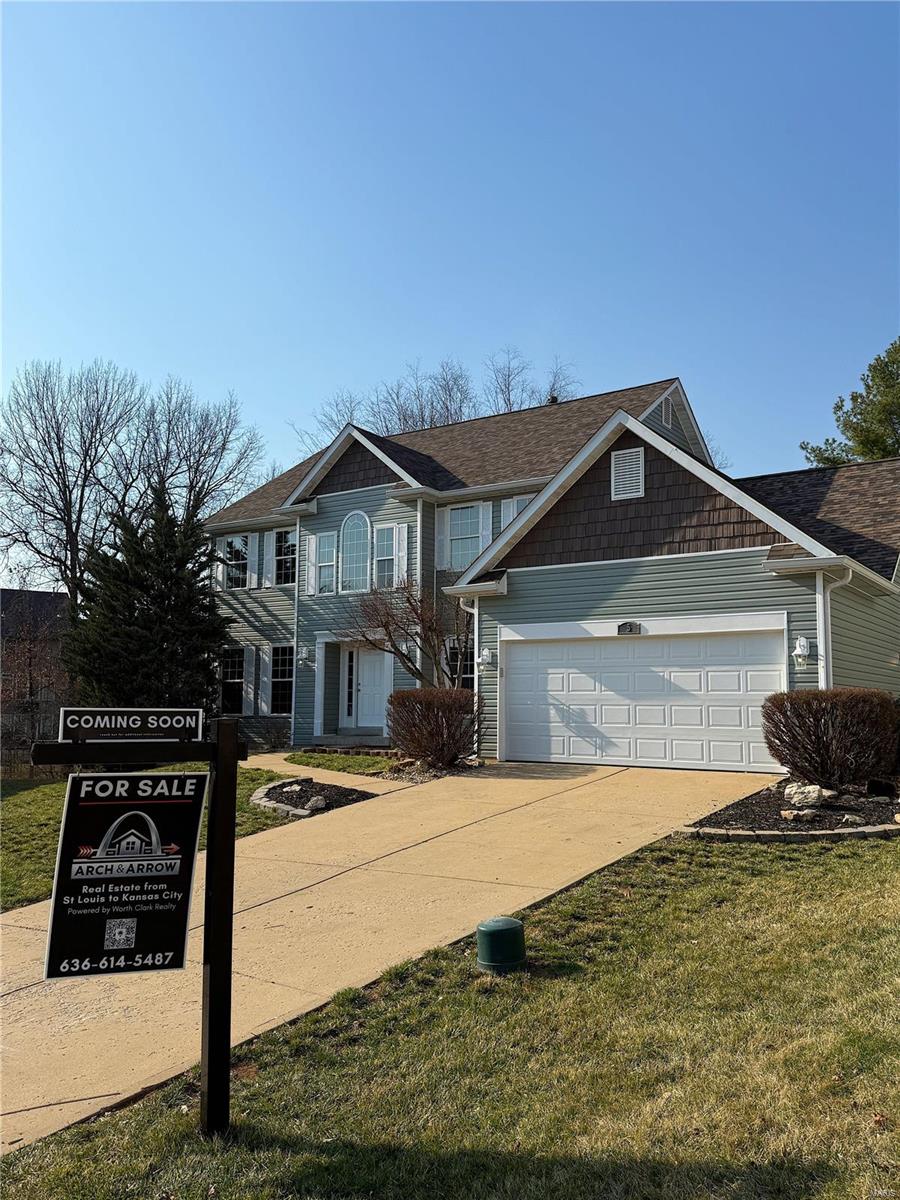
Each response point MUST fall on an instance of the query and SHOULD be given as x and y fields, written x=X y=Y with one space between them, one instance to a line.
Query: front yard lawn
x=699 y=1022
x=30 y=816
x=356 y=764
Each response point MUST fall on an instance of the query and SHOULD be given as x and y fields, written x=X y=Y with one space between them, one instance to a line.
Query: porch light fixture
x=800 y=653
x=486 y=657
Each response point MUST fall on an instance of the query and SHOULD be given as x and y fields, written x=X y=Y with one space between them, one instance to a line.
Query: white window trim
x=251 y=574
x=393 y=559
x=319 y=564
x=340 y=580
x=476 y=504
x=624 y=454
x=272 y=575
x=509 y=509
x=268 y=653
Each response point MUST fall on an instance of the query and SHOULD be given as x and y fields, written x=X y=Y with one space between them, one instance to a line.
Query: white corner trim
x=588 y=455
x=552 y=631
x=296 y=632
x=319 y=697
x=322 y=465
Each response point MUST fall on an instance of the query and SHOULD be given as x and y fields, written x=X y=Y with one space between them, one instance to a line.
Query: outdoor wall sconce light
x=486 y=657
x=800 y=653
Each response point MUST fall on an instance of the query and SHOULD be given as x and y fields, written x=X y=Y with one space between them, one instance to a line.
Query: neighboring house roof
x=853 y=509
x=37 y=612
x=527 y=444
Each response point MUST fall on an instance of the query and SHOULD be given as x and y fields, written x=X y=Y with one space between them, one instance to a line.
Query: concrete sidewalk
x=325 y=904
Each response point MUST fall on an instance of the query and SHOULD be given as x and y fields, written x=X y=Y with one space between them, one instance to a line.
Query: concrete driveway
x=325 y=904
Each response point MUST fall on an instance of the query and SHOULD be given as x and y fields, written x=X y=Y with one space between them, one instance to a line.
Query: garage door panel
x=682 y=701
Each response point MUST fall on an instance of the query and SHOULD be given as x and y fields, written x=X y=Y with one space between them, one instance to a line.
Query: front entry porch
x=353 y=682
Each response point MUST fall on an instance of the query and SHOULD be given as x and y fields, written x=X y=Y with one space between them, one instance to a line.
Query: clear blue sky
x=291 y=199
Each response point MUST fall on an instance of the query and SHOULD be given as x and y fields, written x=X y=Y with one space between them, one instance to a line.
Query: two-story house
x=632 y=604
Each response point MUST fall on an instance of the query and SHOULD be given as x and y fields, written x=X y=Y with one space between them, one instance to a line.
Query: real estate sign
x=124 y=872
x=126 y=724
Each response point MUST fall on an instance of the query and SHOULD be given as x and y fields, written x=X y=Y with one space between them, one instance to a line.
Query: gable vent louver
x=628 y=473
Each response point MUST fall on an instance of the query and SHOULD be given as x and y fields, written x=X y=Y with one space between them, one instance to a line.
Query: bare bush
x=834 y=737
x=438 y=726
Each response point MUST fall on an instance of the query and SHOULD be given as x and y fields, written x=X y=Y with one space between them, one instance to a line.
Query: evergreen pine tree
x=148 y=634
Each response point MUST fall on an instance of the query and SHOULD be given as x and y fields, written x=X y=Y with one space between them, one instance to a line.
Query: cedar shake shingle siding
x=678 y=514
x=356 y=468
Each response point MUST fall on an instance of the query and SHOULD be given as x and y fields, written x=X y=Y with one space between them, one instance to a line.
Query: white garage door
x=686 y=701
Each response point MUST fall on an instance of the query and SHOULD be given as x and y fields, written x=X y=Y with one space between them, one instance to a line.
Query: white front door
x=370 y=697
x=685 y=701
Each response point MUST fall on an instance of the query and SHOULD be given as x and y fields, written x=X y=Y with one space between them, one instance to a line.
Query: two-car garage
x=654 y=699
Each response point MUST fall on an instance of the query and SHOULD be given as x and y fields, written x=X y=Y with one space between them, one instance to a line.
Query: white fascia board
x=507 y=487
x=279 y=518
x=771 y=622
x=321 y=467
x=676 y=391
x=831 y=562
x=490 y=587
x=588 y=455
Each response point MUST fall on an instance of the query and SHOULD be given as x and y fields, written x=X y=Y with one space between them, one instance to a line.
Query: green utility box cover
x=501 y=944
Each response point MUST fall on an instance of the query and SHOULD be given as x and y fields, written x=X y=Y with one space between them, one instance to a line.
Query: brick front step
x=377 y=751
x=710 y=834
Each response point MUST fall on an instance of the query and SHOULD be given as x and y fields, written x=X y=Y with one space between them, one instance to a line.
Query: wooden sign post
x=119 y=744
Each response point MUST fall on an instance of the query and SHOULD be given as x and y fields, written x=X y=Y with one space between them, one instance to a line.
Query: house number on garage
x=629 y=627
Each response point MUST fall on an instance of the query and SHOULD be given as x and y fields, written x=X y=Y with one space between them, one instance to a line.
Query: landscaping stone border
x=261 y=797
x=710 y=834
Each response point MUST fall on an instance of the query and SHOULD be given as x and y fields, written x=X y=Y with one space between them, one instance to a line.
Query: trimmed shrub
x=438 y=726
x=834 y=737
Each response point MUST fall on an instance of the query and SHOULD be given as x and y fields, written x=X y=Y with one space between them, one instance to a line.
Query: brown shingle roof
x=854 y=509
x=519 y=445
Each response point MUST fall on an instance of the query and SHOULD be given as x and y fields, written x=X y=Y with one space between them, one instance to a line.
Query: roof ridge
x=514 y=412
x=869 y=462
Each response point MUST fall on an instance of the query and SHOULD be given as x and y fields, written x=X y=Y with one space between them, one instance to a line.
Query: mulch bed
x=762 y=810
x=297 y=792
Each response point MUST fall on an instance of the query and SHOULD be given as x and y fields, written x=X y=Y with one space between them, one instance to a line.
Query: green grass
x=356 y=764
x=699 y=1022
x=30 y=816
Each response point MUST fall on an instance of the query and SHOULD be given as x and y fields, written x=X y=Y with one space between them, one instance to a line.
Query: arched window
x=355 y=538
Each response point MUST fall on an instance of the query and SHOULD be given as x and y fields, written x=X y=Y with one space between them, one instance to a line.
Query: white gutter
x=800 y=566
x=508 y=487
x=282 y=517
x=490 y=587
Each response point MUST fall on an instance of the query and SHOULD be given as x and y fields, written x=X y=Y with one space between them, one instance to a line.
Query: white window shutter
x=442 y=552
x=219 y=566
x=628 y=473
x=265 y=680
x=507 y=511
x=310 y=564
x=401 y=539
x=253 y=560
x=268 y=579
x=249 y=672
x=487 y=517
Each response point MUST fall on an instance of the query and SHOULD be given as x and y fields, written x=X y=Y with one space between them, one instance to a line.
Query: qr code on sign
x=120 y=934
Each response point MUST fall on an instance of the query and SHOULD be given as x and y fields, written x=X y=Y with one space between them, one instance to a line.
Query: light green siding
x=677 y=433
x=333 y=614
x=679 y=585
x=865 y=640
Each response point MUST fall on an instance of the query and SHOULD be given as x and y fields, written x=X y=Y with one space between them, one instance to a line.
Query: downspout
x=830 y=586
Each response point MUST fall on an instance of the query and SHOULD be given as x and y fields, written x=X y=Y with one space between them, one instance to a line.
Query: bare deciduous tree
x=80 y=450
x=508 y=382
x=414 y=627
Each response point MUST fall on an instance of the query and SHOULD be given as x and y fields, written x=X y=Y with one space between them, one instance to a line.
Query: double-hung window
x=385 y=556
x=355 y=553
x=326 y=564
x=511 y=507
x=236 y=561
x=465 y=535
x=282 y=679
x=232 y=678
x=463 y=671
x=285 y=556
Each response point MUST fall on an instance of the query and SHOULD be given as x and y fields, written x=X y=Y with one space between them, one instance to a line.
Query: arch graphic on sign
x=133 y=840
